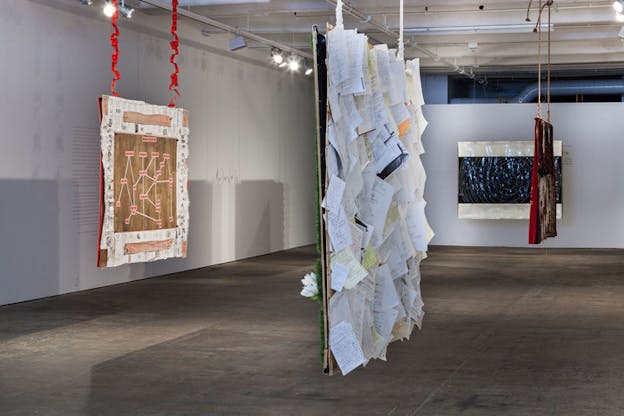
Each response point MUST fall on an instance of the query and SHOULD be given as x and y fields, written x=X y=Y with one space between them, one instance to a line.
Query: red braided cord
x=114 y=38
x=175 y=43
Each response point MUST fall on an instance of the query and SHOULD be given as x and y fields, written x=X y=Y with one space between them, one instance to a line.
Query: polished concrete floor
x=507 y=332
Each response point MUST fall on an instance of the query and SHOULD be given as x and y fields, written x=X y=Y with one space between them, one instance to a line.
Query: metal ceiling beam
x=227 y=28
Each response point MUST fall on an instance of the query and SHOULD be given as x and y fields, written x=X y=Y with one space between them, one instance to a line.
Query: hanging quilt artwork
x=374 y=232
x=494 y=179
x=144 y=201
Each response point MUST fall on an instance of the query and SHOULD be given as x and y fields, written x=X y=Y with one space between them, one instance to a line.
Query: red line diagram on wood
x=144 y=183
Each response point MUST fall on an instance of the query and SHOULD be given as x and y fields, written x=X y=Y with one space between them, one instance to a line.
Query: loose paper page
x=338 y=229
x=339 y=275
x=335 y=191
x=345 y=347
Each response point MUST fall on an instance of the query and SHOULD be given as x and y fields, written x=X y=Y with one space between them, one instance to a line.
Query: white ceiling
x=585 y=32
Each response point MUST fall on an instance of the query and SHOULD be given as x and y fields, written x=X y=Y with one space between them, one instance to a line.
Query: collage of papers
x=374 y=210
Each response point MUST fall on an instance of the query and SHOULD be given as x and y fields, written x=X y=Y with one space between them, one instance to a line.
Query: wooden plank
x=149 y=119
x=147 y=246
x=102 y=258
x=332 y=365
x=320 y=193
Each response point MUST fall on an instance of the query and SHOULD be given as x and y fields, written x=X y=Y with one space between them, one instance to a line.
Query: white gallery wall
x=593 y=172
x=252 y=149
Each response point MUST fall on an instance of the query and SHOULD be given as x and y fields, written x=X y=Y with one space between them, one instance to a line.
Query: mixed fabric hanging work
x=374 y=232
x=144 y=201
x=543 y=209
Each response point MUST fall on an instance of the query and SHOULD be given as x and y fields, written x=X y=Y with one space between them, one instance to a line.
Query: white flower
x=310 y=288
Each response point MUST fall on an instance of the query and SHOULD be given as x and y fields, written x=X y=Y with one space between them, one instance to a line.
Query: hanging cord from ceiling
x=114 y=38
x=175 y=51
x=401 y=47
x=538 y=29
x=339 y=19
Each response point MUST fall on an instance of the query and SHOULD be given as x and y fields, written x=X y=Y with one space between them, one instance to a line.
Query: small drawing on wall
x=494 y=179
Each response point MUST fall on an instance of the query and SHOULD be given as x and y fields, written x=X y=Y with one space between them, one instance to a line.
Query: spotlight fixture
x=86 y=2
x=293 y=64
x=618 y=5
x=109 y=9
x=277 y=56
x=307 y=68
x=125 y=11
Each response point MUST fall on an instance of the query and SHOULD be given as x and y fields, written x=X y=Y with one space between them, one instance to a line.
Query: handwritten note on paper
x=386 y=296
x=356 y=271
x=345 y=347
x=338 y=54
x=397 y=91
x=384 y=321
x=338 y=229
x=383 y=66
x=355 y=83
x=339 y=275
x=417 y=225
x=357 y=238
x=376 y=210
x=335 y=191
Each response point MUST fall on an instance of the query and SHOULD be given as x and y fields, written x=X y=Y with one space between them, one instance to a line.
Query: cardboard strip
x=149 y=119
x=147 y=246
x=102 y=258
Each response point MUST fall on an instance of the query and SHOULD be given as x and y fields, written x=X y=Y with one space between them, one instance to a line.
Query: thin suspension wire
x=401 y=51
x=539 y=61
x=528 y=18
x=549 y=2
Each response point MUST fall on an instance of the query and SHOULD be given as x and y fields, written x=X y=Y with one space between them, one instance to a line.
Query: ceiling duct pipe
x=573 y=87
x=557 y=88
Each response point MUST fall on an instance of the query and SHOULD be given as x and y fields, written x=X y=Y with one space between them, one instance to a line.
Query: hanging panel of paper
x=494 y=180
x=144 y=179
x=374 y=210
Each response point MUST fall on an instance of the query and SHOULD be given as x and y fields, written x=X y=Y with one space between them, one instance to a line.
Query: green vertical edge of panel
x=319 y=229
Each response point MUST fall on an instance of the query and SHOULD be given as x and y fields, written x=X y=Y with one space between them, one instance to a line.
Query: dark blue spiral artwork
x=498 y=179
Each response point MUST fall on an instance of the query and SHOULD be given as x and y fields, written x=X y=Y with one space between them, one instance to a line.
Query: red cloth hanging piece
x=543 y=210
x=114 y=38
x=175 y=43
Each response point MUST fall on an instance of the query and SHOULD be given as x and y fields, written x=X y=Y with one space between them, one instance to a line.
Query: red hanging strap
x=175 y=43
x=114 y=38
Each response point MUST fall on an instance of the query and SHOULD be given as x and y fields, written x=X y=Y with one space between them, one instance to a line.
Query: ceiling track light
x=293 y=63
x=307 y=67
x=277 y=57
x=618 y=6
x=125 y=11
x=86 y=2
x=109 y=9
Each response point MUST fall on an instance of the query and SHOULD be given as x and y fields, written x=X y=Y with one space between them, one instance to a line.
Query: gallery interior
x=350 y=207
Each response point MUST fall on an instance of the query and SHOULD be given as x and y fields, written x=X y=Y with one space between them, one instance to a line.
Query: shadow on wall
x=29 y=239
x=259 y=218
